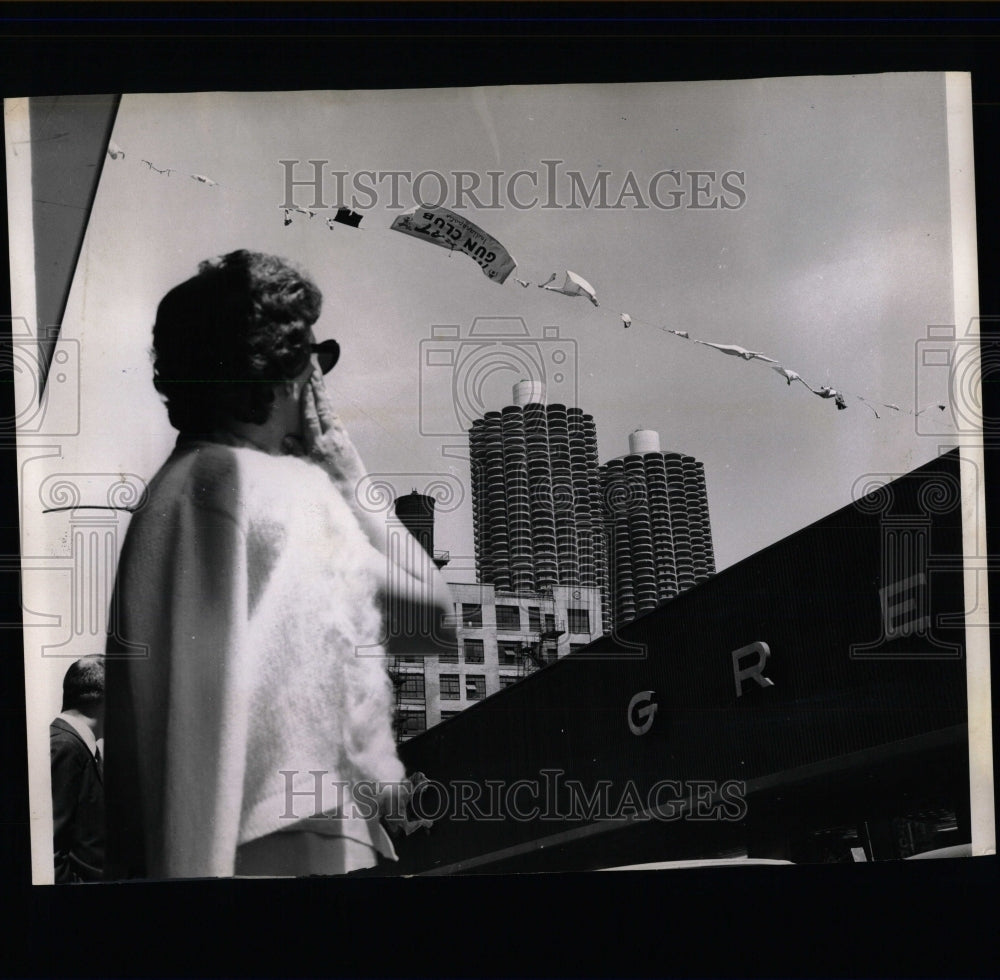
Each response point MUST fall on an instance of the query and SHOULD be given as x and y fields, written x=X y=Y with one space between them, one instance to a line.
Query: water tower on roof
x=416 y=511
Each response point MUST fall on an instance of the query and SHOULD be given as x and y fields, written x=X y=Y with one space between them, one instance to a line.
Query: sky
x=835 y=264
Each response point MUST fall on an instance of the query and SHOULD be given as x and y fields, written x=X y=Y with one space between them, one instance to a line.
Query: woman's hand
x=325 y=441
x=414 y=591
x=324 y=438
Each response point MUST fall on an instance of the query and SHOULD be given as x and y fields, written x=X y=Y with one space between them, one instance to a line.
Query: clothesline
x=441 y=227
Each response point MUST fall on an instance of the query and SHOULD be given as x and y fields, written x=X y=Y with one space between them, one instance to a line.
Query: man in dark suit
x=77 y=774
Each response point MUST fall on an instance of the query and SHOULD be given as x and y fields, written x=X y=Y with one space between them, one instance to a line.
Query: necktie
x=100 y=762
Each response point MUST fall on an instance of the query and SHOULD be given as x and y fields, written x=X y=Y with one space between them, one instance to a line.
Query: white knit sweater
x=247 y=591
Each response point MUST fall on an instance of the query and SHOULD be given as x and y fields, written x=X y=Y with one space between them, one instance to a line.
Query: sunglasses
x=327 y=353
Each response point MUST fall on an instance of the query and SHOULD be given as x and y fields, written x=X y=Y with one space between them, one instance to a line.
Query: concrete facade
x=496 y=627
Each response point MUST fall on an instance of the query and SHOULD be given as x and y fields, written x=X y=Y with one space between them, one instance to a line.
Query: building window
x=550 y=652
x=509 y=618
x=473 y=651
x=475 y=687
x=507 y=654
x=411 y=723
x=448 y=658
x=445 y=715
x=506 y=681
x=534 y=619
x=573 y=647
x=579 y=620
x=550 y=622
x=412 y=687
x=472 y=615
x=449 y=687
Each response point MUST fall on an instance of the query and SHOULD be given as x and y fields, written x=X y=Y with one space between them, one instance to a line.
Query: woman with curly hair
x=247 y=696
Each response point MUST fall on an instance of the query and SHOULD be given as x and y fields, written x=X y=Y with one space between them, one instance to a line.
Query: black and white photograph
x=498 y=480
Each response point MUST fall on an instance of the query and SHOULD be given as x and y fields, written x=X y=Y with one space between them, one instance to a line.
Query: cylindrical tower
x=536 y=494
x=656 y=525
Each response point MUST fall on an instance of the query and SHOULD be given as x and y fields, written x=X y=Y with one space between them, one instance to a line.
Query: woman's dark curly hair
x=224 y=339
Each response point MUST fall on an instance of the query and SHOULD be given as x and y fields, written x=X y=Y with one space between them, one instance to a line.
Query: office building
x=502 y=638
